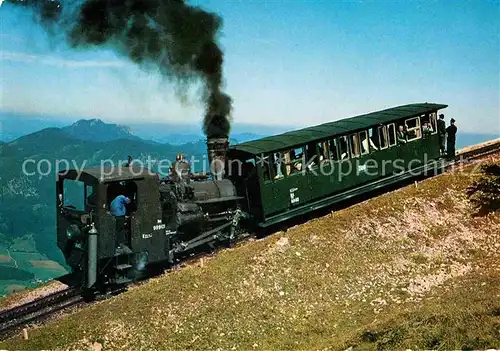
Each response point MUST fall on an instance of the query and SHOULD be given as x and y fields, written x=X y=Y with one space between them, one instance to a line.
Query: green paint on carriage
x=351 y=156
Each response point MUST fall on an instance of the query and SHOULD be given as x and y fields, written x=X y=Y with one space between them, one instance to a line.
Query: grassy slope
x=409 y=269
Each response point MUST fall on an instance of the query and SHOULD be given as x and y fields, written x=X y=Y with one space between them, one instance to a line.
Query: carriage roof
x=326 y=130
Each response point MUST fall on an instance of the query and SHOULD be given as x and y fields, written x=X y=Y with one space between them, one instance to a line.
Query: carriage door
x=298 y=186
x=414 y=145
x=274 y=190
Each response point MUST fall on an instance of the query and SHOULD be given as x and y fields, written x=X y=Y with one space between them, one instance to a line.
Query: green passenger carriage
x=293 y=173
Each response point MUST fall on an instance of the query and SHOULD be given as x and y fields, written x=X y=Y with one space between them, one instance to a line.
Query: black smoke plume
x=178 y=39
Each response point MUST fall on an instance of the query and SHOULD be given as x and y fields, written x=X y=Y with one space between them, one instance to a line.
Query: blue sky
x=286 y=62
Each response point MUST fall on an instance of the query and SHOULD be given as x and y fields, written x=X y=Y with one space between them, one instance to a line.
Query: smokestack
x=217 y=150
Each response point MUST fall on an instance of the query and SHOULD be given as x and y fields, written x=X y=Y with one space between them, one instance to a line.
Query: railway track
x=480 y=150
x=471 y=154
x=38 y=310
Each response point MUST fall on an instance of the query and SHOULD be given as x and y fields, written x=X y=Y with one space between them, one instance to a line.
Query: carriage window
x=426 y=126
x=354 y=145
x=423 y=120
x=293 y=160
x=333 y=148
x=391 y=131
x=364 y=142
x=287 y=159
x=413 y=128
x=279 y=166
x=311 y=155
x=343 y=148
x=383 y=139
x=266 y=162
x=373 y=138
x=433 y=120
x=297 y=160
x=296 y=154
x=323 y=151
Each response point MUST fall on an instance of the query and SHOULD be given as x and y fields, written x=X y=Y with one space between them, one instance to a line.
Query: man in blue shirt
x=118 y=209
x=118 y=206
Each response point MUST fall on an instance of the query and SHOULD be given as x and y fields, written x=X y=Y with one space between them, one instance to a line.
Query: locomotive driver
x=119 y=210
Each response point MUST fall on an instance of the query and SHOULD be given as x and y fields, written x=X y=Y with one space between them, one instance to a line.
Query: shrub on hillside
x=484 y=193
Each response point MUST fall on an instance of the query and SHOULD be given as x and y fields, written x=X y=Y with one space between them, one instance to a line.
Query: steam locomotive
x=166 y=218
x=251 y=185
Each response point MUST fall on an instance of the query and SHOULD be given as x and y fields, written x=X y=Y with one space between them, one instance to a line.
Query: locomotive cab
x=87 y=231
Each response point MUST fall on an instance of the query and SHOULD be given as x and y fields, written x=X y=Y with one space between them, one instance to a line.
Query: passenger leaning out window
x=427 y=129
x=401 y=135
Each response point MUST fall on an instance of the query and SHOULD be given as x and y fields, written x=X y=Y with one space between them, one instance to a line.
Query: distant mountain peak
x=96 y=130
x=90 y=122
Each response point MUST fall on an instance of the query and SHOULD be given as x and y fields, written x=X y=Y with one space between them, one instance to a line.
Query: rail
x=479 y=150
x=37 y=310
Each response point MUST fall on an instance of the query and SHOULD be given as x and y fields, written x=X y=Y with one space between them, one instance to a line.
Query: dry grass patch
x=464 y=315
x=29 y=294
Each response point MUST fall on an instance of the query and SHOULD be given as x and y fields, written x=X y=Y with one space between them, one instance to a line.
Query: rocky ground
x=415 y=268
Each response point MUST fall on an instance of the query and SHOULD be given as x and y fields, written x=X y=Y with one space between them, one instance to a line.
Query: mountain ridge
x=96 y=130
x=16 y=125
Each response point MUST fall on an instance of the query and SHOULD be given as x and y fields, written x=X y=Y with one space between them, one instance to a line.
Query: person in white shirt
x=427 y=129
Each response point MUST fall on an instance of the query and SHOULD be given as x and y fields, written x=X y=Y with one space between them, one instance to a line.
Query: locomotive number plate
x=293 y=199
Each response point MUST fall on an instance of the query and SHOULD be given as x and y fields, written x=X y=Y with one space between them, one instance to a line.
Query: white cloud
x=53 y=61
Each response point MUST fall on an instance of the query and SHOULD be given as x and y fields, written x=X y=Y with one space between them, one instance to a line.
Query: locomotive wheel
x=88 y=294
